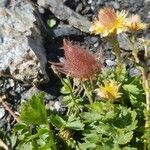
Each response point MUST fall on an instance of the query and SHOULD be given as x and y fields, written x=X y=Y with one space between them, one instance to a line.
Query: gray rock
x=35 y=91
x=113 y=4
x=2 y=112
x=134 y=72
x=124 y=42
x=65 y=30
x=3 y=3
x=41 y=10
x=55 y=106
x=100 y=2
x=22 y=55
x=96 y=44
x=110 y=63
x=89 y=1
x=28 y=94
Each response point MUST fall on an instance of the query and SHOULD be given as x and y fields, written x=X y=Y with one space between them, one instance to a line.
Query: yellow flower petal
x=109 y=22
x=134 y=24
x=109 y=91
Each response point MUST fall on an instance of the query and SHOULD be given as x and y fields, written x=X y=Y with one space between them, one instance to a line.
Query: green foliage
x=51 y=23
x=96 y=116
x=34 y=112
x=33 y=130
x=100 y=125
x=108 y=126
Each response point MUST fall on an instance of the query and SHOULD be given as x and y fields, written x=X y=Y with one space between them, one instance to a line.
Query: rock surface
x=22 y=55
x=2 y=112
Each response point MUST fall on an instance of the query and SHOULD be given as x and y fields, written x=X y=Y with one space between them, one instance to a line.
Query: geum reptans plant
x=78 y=63
x=111 y=111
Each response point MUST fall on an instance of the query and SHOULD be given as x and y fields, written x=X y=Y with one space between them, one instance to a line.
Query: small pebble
x=96 y=44
x=2 y=112
x=89 y=1
x=57 y=106
x=134 y=72
x=110 y=62
x=100 y=2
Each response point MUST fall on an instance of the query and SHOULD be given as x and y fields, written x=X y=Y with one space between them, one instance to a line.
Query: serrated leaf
x=91 y=137
x=124 y=138
x=87 y=146
x=90 y=117
x=13 y=139
x=20 y=126
x=57 y=121
x=25 y=146
x=123 y=73
x=34 y=111
x=75 y=125
x=130 y=88
x=95 y=107
x=39 y=133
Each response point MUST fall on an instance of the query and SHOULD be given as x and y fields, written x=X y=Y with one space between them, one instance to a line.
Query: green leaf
x=87 y=146
x=57 y=121
x=13 y=139
x=130 y=88
x=91 y=137
x=124 y=138
x=25 y=146
x=65 y=90
x=126 y=119
x=40 y=131
x=90 y=117
x=34 y=111
x=123 y=73
x=20 y=126
x=51 y=23
x=74 y=123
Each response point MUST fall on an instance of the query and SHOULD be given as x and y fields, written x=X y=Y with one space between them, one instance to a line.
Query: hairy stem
x=116 y=48
x=144 y=72
x=88 y=93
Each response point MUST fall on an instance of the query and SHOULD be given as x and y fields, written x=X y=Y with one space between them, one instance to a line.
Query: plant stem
x=52 y=138
x=88 y=93
x=144 y=72
x=134 y=49
x=71 y=91
x=116 y=48
x=69 y=86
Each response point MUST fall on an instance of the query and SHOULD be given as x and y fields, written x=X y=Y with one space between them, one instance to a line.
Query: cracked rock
x=22 y=55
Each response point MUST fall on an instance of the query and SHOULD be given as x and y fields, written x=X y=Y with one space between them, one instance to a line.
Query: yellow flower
x=109 y=91
x=134 y=24
x=109 y=22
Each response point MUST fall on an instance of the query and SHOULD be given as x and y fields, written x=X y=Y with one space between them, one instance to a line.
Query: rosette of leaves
x=108 y=126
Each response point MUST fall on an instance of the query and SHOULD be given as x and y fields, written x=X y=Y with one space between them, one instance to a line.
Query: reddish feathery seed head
x=78 y=62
